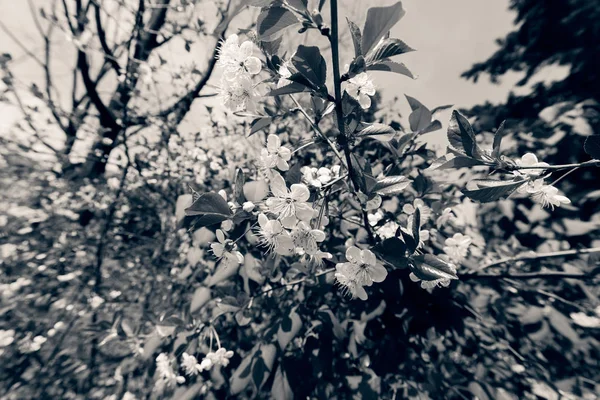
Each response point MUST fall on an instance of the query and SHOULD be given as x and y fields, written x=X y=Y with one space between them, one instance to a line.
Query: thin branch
x=19 y=43
x=102 y=38
x=530 y=275
x=590 y=163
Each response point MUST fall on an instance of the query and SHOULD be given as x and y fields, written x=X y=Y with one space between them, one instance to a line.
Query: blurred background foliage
x=95 y=269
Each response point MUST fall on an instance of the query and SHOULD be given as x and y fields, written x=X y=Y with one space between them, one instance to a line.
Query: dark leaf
x=259 y=3
x=411 y=244
x=456 y=162
x=461 y=135
x=300 y=5
x=391 y=66
x=419 y=119
x=293 y=87
x=388 y=48
x=393 y=250
x=592 y=146
x=441 y=108
x=356 y=37
x=391 y=185
x=492 y=190
x=259 y=124
x=416 y=225
x=259 y=369
x=238 y=186
x=286 y=324
x=379 y=22
x=433 y=126
x=381 y=132
x=273 y=21
x=497 y=141
x=428 y=267
x=211 y=208
x=309 y=62
x=414 y=103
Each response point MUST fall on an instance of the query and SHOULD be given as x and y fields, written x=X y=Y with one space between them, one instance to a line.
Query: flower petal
x=278 y=186
x=253 y=65
x=364 y=100
x=304 y=211
x=273 y=143
x=353 y=254
x=378 y=273
x=220 y=236
x=299 y=192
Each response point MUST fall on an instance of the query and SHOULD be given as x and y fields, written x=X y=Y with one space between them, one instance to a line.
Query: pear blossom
x=361 y=88
x=530 y=160
x=275 y=155
x=307 y=239
x=289 y=205
x=219 y=357
x=361 y=267
x=237 y=60
x=546 y=195
x=226 y=249
x=457 y=246
x=238 y=95
x=274 y=237
x=190 y=364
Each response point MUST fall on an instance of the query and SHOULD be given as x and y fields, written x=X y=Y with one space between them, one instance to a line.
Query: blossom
x=584 y=320
x=28 y=345
x=530 y=160
x=317 y=177
x=362 y=267
x=307 y=239
x=275 y=155
x=238 y=95
x=219 y=357
x=167 y=376
x=284 y=73
x=274 y=237
x=446 y=216
x=430 y=284
x=546 y=195
x=237 y=60
x=457 y=246
x=190 y=364
x=226 y=249
x=347 y=279
x=424 y=211
x=360 y=88
x=289 y=205
x=6 y=337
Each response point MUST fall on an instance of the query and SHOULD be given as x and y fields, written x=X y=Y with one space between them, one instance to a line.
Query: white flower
x=129 y=396
x=237 y=60
x=346 y=278
x=96 y=301
x=362 y=268
x=289 y=205
x=219 y=357
x=248 y=206
x=275 y=155
x=457 y=246
x=584 y=320
x=27 y=345
x=446 y=216
x=360 y=88
x=190 y=364
x=430 y=284
x=226 y=249
x=316 y=177
x=388 y=230
x=284 y=74
x=530 y=160
x=274 y=237
x=7 y=337
x=307 y=239
x=238 y=95
x=424 y=211
x=546 y=195
x=167 y=376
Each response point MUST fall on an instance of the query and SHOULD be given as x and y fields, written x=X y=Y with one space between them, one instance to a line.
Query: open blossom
x=289 y=205
x=361 y=88
x=274 y=237
x=307 y=239
x=361 y=270
x=424 y=210
x=317 y=177
x=238 y=95
x=275 y=155
x=226 y=249
x=6 y=337
x=430 y=284
x=237 y=60
x=219 y=357
x=190 y=364
x=530 y=160
x=457 y=246
x=546 y=195
x=167 y=376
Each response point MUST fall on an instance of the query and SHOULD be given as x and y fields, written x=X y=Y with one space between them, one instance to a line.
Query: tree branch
x=102 y=38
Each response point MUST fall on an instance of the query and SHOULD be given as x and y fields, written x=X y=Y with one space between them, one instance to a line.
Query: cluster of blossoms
x=166 y=374
x=239 y=65
x=192 y=367
x=360 y=270
x=536 y=188
x=317 y=177
x=457 y=247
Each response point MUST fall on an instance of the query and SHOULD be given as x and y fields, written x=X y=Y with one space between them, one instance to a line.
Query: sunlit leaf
x=272 y=22
x=379 y=21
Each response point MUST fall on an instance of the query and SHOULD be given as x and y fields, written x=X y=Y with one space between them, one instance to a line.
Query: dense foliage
x=319 y=250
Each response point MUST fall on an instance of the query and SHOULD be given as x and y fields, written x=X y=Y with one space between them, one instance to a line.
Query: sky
x=449 y=37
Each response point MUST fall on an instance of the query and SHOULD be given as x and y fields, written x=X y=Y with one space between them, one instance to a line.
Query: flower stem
x=590 y=163
x=337 y=85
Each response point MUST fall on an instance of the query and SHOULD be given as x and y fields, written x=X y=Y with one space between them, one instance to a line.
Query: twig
x=590 y=163
x=294 y=283
x=536 y=256
x=529 y=275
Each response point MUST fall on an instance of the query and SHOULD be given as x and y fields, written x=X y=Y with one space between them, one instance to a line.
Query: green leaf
x=379 y=22
x=461 y=135
x=490 y=190
x=356 y=37
x=428 y=267
x=259 y=124
x=293 y=87
x=259 y=369
x=388 y=48
x=497 y=141
x=592 y=146
x=456 y=162
x=411 y=244
x=272 y=21
x=419 y=119
x=433 y=126
x=300 y=5
x=381 y=132
x=416 y=226
x=238 y=186
x=211 y=208
x=393 y=251
x=391 y=185
x=309 y=62
x=281 y=389
x=259 y=3
x=391 y=66
x=414 y=103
